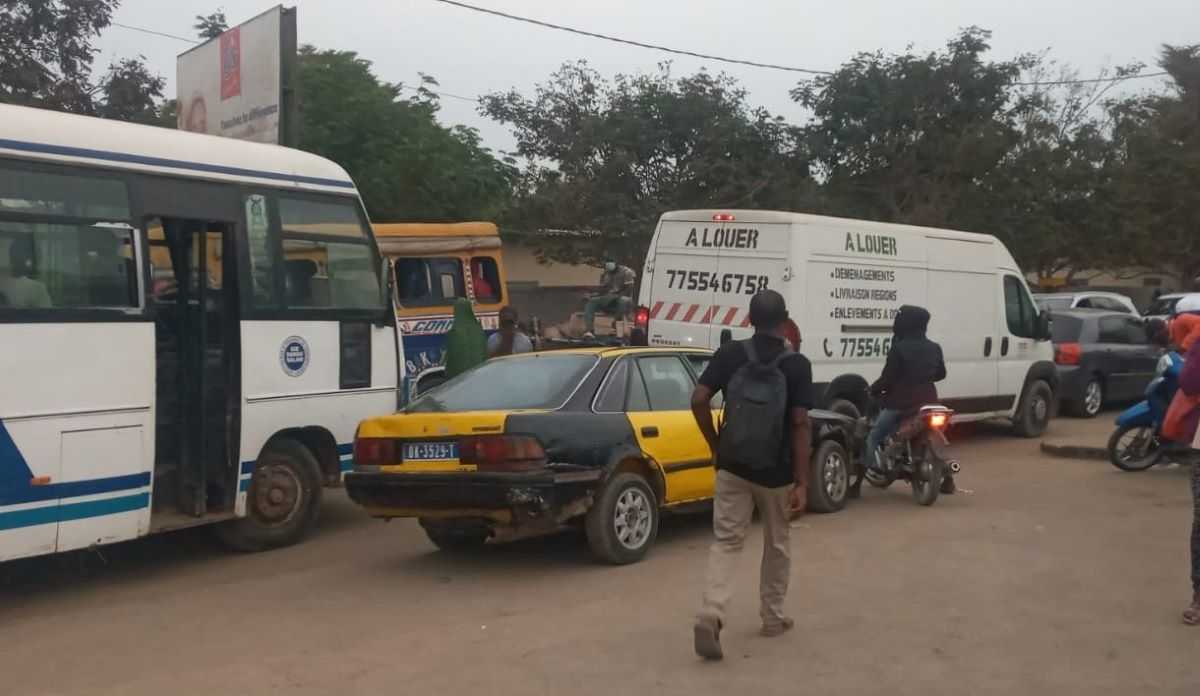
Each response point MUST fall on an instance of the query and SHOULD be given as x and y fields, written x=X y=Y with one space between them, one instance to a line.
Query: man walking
x=762 y=456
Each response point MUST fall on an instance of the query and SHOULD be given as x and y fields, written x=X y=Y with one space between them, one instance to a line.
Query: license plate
x=430 y=451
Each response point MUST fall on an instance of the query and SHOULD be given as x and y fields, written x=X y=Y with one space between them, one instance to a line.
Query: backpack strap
x=752 y=354
x=748 y=346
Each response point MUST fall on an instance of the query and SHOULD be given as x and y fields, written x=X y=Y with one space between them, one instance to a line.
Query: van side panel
x=961 y=300
x=855 y=281
x=753 y=257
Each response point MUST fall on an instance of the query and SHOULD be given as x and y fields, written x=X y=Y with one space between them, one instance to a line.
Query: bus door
x=193 y=291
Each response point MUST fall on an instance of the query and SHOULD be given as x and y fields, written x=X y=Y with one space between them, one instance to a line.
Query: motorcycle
x=916 y=453
x=1136 y=444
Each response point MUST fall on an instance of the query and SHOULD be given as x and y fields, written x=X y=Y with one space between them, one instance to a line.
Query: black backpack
x=752 y=424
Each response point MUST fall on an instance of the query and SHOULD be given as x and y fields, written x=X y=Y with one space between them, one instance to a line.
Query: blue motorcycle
x=1136 y=444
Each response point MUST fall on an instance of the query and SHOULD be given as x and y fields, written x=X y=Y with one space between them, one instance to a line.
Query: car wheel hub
x=632 y=518
x=1092 y=398
x=834 y=475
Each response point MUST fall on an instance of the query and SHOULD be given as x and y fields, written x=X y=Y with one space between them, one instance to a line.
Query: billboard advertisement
x=233 y=85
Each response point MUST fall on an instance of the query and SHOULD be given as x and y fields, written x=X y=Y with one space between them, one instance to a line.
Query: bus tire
x=283 y=501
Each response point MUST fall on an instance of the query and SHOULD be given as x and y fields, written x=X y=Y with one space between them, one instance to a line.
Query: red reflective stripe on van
x=655 y=310
x=710 y=314
x=746 y=321
x=729 y=316
x=674 y=310
x=691 y=313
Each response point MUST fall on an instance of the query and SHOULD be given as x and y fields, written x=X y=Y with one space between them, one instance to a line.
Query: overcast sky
x=472 y=53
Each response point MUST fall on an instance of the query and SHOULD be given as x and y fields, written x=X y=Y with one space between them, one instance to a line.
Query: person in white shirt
x=508 y=340
x=21 y=290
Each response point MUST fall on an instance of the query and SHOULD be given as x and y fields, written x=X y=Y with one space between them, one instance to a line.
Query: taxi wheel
x=282 y=502
x=623 y=523
x=829 y=479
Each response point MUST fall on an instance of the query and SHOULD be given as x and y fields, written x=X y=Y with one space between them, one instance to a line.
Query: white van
x=844 y=281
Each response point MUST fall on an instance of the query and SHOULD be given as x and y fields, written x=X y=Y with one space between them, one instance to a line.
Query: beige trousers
x=733 y=507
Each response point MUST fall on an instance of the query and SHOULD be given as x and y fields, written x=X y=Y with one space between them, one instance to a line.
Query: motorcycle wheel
x=927 y=477
x=1134 y=448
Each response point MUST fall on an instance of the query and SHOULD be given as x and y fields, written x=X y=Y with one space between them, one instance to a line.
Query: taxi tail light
x=375 y=451
x=642 y=317
x=502 y=452
x=1068 y=353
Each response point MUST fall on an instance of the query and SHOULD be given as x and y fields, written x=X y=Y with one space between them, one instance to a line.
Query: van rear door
x=753 y=257
x=683 y=284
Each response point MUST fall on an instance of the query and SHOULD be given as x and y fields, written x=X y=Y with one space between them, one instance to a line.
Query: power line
x=156 y=33
x=738 y=61
x=639 y=44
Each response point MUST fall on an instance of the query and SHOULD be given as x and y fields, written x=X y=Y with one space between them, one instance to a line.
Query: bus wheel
x=283 y=501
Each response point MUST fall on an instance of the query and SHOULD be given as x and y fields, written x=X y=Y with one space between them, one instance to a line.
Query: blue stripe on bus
x=74 y=489
x=342 y=450
x=67 y=151
x=53 y=514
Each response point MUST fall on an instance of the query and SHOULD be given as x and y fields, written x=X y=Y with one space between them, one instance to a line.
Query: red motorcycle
x=916 y=453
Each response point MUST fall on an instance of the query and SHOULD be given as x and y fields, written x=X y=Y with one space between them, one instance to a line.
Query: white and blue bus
x=191 y=328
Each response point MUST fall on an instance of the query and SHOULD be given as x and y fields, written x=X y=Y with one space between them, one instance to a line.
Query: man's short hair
x=767 y=310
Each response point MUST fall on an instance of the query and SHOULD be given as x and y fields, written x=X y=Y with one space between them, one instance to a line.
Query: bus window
x=424 y=282
x=485 y=277
x=327 y=261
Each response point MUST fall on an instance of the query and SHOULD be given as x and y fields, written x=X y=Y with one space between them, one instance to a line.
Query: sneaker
x=707 y=632
x=777 y=629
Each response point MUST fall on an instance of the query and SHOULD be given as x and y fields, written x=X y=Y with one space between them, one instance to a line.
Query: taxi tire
x=250 y=533
x=599 y=524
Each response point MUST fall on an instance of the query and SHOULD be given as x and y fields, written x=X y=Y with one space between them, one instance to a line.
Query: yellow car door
x=659 y=409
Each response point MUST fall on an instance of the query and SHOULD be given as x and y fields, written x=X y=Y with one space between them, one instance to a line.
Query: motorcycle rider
x=914 y=364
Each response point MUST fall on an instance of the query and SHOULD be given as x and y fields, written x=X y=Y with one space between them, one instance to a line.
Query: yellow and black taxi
x=534 y=443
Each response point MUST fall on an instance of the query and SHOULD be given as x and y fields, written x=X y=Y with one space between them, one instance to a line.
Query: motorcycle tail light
x=939 y=420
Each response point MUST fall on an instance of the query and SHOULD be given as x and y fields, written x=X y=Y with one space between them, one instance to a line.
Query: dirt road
x=1049 y=576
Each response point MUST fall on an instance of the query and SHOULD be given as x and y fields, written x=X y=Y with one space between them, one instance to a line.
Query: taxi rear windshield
x=534 y=381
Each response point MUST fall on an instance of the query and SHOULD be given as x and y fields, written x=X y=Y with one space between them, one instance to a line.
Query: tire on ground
x=1027 y=422
x=820 y=499
x=600 y=523
x=263 y=528
x=1079 y=409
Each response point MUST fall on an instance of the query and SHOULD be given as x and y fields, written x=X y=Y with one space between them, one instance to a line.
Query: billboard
x=235 y=85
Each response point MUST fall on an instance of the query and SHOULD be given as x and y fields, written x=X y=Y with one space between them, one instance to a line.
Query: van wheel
x=283 y=501
x=623 y=523
x=829 y=478
x=1033 y=415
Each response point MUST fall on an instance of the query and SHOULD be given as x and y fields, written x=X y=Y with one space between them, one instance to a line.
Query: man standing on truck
x=615 y=295
x=762 y=457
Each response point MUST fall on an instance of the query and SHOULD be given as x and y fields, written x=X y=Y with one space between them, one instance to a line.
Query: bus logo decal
x=293 y=356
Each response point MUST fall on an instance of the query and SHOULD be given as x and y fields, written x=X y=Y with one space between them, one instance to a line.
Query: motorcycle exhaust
x=954 y=466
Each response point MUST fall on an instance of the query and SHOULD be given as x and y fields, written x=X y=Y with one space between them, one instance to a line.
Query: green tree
x=211 y=26
x=406 y=165
x=1156 y=143
x=46 y=51
x=606 y=158
x=905 y=137
x=130 y=92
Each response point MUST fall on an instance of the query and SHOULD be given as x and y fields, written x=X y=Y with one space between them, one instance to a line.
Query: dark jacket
x=914 y=363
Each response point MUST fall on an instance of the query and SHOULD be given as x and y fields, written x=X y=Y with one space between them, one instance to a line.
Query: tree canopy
x=608 y=157
x=407 y=165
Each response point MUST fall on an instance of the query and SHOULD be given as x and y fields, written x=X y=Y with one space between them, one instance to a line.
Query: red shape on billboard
x=231 y=63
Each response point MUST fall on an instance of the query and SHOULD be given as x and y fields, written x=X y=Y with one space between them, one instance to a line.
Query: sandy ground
x=1045 y=576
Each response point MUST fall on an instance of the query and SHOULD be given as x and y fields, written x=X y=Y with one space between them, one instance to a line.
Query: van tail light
x=1068 y=353
x=642 y=317
x=375 y=451
x=503 y=453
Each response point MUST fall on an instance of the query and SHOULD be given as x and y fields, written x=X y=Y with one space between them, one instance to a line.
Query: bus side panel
x=76 y=435
x=291 y=379
x=424 y=339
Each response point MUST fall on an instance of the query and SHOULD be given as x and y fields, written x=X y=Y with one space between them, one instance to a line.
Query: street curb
x=1075 y=451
